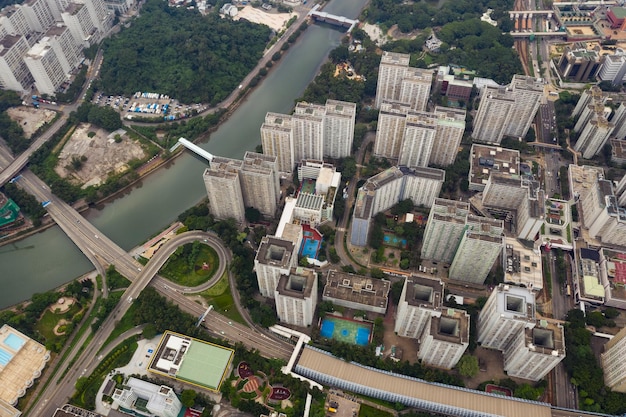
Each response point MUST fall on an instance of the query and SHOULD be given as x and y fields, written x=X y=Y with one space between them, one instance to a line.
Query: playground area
x=311 y=242
x=394 y=241
x=345 y=330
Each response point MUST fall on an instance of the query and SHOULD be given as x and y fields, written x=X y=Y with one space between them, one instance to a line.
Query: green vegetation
x=468 y=366
x=116 y=280
x=585 y=372
x=369 y=411
x=75 y=88
x=87 y=387
x=49 y=320
x=103 y=116
x=221 y=298
x=191 y=264
x=10 y=130
x=126 y=323
x=28 y=204
x=181 y=53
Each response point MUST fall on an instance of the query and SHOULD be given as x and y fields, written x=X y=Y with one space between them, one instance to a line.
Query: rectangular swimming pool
x=14 y=342
x=347 y=331
x=5 y=357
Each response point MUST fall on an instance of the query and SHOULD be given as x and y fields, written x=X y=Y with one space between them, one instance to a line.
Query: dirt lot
x=100 y=155
x=30 y=118
x=275 y=21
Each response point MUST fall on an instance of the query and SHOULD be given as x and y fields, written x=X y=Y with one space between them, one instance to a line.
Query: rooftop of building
x=515 y=302
x=300 y=283
x=591 y=283
x=363 y=205
x=618 y=149
x=395 y=58
x=452 y=326
x=619 y=12
x=274 y=251
x=485 y=160
x=395 y=108
x=277 y=120
x=21 y=362
x=383 y=178
x=258 y=158
x=7 y=43
x=357 y=289
x=422 y=119
x=340 y=107
x=498 y=93
x=418 y=74
x=526 y=82
x=73 y=8
x=309 y=110
x=223 y=171
x=424 y=172
x=451 y=113
x=522 y=265
x=56 y=30
x=615 y=266
x=546 y=338
x=424 y=292
x=310 y=201
x=191 y=360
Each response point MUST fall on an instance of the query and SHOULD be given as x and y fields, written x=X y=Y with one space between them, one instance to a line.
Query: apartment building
x=448 y=135
x=444 y=229
x=509 y=310
x=296 y=297
x=275 y=257
x=534 y=352
x=45 y=67
x=390 y=129
x=528 y=92
x=14 y=74
x=339 y=128
x=613 y=363
x=445 y=338
x=421 y=298
x=481 y=244
x=495 y=110
x=277 y=140
x=418 y=139
x=390 y=73
x=223 y=188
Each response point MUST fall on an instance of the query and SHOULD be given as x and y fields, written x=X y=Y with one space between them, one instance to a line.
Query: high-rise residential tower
x=277 y=140
x=390 y=73
x=445 y=338
x=224 y=192
x=528 y=93
x=296 y=297
x=481 y=244
x=448 y=135
x=14 y=74
x=421 y=298
x=418 y=139
x=390 y=129
x=494 y=113
x=444 y=229
x=339 y=128
x=275 y=257
x=613 y=362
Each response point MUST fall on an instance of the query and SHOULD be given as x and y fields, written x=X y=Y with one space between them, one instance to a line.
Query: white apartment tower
x=88 y=21
x=593 y=137
x=308 y=131
x=45 y=66
x=448 y=135
x=14 y=74
x=60 y=38
x=415 y=88
x=339 y=128
x=224 y=191
x=422 y=185
x=418 y=139
x=275 y=257
x=39 y=14
x=13 y=21
x=445 y=338
x=390 y=129
x=495 y=110
x=259 y=180
x=613 y=362
x=421 y=298
x=277 y=140
x=390 y=73
x=534 y=352
x=508 y=312
x=445 y=227
x=296 y=297
x=528 y=92
x=481 y=244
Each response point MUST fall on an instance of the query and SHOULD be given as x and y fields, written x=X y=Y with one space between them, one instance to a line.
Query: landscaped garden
x=191 y=264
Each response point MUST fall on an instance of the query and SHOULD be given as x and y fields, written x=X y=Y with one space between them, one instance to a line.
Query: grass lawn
x=368 y=411
x=126 y=323
x=177 y=268
x=49 y=320
x=220 y=297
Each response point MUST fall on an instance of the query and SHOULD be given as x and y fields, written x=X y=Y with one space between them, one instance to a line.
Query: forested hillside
x=180 y=53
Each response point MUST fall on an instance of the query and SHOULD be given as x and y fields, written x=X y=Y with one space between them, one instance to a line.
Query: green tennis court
x=205 y=364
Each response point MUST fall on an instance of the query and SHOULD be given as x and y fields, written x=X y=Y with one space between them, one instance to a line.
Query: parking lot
x=144 y=104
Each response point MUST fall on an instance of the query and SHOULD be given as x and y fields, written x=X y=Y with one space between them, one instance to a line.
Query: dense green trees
x=174 y=51
x=10 y=130
x=103 y=116
x=27 y=203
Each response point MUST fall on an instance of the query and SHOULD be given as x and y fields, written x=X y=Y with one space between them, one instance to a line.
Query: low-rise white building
x=139 y=396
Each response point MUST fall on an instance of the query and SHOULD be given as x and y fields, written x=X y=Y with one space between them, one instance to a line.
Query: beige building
x=613 y=363
x=445 y=338
x=356 y=292
x=522 y=265
x=296 y=297
x=277 y=140
x=399 y=82
x=528 y=93
x=275 y=257
x=390 y=129
x=418 y=139
x=45 y=67
x=23 y=360
x=421 y=298
x=485 y=160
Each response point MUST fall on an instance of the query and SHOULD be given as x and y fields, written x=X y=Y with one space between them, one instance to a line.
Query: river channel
x=49 y=259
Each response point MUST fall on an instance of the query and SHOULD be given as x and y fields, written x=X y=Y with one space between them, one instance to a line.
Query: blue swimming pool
x=5 y=357
x=14 y=342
